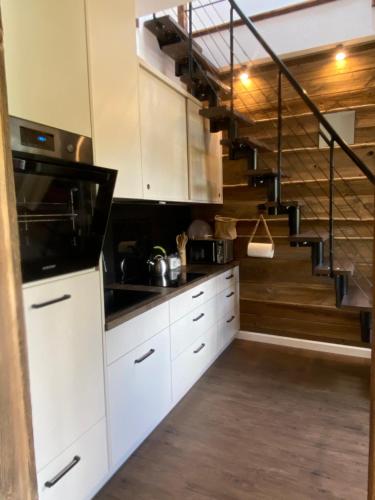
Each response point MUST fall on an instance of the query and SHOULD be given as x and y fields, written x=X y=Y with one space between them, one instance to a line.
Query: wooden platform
x=264 y=423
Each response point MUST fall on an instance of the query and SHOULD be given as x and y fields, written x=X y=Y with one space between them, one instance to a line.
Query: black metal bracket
x=365 y=318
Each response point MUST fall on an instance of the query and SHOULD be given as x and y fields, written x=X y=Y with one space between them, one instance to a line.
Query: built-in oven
x=63 y=201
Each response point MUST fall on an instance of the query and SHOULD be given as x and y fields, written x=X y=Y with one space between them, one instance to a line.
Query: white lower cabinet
x=146 y=380
x=191 y=364
x=139 y=394
x=65 y=352
x=76 y=473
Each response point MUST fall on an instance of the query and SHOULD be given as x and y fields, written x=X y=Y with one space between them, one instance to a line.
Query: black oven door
x=63 y=209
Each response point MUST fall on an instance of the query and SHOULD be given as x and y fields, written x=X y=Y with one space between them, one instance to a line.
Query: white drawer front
x=88 y=460
x=65 y=361
x=228 y=328
x=134 y=332
x=191 y=364
x=186 y=330
x=227 y=301
x=227 y=279
x=186 y=302
x=139 y=394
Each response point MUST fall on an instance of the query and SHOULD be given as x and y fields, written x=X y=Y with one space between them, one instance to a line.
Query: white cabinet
x=163 y=139
x=64 y=340
x=113 y=67
x=87 y=460
x=46 y=62
x=139 y=394
x=205 y=158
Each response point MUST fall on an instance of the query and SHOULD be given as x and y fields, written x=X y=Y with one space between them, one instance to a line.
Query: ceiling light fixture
x=244 y=76
x=340 y=54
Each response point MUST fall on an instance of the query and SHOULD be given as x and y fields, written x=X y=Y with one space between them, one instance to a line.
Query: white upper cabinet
x=164 y=139
x=113 y=69
x=46 y=62
x=205 y=158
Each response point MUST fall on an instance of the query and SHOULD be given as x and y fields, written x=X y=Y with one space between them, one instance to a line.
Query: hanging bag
x=264 y=250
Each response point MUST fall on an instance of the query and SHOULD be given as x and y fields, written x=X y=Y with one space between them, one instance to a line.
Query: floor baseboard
x=312 y=345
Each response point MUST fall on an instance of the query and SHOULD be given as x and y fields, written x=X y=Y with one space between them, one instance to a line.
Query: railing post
x=279 y=134
x=232 y=131
x=331 y=204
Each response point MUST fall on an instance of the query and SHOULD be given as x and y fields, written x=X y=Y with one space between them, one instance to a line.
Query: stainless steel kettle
x=158 y=265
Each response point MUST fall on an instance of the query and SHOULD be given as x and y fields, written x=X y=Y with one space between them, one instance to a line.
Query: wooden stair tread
x=261 y=172
x=356 y=300
x=251 y=142
x=179 y=51
x=339 y=268
x=216 y=83
x=168 y=31
x=309 y=237
x=285 y=203
x=224 y=113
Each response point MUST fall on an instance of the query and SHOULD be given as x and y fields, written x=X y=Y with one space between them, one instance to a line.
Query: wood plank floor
x=264 y=423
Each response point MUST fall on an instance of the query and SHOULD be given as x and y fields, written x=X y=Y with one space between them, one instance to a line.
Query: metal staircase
x=195 y=65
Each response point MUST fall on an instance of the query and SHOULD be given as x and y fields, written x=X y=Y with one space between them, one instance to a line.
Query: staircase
x=333 y=255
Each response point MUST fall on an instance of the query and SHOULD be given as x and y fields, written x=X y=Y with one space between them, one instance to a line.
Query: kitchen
x=129 y=299
x=114 y=342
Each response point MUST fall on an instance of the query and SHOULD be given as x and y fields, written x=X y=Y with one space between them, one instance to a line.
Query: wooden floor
x=264 y=423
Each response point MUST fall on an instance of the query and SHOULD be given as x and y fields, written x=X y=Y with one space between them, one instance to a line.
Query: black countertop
x=164 y=294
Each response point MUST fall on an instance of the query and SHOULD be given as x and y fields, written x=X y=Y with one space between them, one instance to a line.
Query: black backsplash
x=135 y=228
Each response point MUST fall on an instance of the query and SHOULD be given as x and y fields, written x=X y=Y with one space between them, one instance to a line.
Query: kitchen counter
x=164 y=294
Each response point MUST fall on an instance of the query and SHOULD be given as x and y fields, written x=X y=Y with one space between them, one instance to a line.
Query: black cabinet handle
x=198 y=317
x=145 y=356
x=50 y=302
x=229 y=277
x=62 y=473
x=231 y=319
x=198 y=295
x=230 y=295
x=199 y=348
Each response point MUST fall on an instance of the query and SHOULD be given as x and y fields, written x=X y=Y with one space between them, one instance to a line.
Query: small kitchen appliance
x=210 y=251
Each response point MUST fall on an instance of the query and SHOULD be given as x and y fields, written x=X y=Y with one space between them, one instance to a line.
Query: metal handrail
x=304 y=95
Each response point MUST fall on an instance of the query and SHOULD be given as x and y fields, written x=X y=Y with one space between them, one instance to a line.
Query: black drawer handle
x=231 y=319
x=62 y=473
x=229 y=277
x=198 y=317
x=198 y=295
x=145 y=356
x=230 y=295
x=199 y=348
x=50 y=302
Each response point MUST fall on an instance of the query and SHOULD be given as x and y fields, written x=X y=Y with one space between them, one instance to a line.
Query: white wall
x=144 y=7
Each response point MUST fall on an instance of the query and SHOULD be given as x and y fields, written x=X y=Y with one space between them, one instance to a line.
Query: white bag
x=264 y=250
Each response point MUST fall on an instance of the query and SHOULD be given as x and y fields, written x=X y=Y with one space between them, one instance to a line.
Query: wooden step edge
x=253 y=143
x=200 y=76
x=356 y=300
x=223 y=112
x=285 y=203
x=342 y=269
x=171 y=25
x=309 y=237
x=260 y=172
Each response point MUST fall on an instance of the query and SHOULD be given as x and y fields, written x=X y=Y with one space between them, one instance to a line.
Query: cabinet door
x=139 y=394
x=205 y=158
x=64 y=339
x=46 y=62
x=163 y=139
x=113 y=67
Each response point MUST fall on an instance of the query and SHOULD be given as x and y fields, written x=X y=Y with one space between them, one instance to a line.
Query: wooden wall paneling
x=371 y=468
x=17 y=464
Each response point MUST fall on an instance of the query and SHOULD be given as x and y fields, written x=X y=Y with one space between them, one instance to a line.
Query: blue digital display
x=42 y=138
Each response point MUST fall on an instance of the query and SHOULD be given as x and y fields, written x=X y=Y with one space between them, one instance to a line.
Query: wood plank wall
x=281 y=296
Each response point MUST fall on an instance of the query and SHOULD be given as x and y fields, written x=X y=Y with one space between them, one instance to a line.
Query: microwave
x=210 y=251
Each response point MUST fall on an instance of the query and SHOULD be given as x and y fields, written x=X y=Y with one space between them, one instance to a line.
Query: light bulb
x=340 y=55
x=245 y=77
